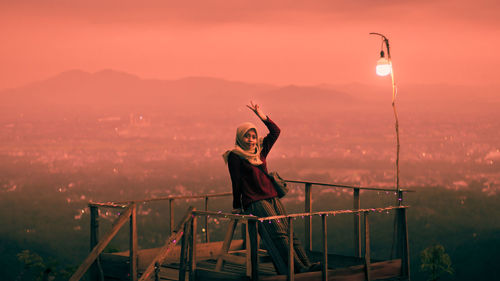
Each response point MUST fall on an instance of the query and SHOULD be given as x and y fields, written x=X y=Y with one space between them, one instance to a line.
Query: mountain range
x=110 y=89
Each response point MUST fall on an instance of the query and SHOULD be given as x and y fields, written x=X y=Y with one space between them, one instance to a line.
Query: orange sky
x=280 y=42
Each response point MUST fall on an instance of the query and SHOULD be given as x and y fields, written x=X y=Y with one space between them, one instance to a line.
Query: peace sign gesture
x=256 y=109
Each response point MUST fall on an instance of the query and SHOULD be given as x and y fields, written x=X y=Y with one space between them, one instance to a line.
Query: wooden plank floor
x=379 y=271
x=341 y=268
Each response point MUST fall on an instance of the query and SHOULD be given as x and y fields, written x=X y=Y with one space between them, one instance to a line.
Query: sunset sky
x=301 y=42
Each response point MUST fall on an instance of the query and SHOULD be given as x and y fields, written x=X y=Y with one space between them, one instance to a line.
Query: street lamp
x=384 y=68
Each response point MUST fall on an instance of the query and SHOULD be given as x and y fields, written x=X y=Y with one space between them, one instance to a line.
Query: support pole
x=133 y=243
x=207 y=237
x=324 y=273
x=403 y=247
x=95 y=270
x=252 y=229
x=357 y=223
x=291 y=267
x=367 y=248
x=184 y=252
x=171 y=214
x=192 y=250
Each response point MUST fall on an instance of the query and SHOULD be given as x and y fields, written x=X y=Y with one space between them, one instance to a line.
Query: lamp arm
x=386 y=41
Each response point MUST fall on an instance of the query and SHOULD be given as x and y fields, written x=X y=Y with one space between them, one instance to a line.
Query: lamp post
x=384 y=68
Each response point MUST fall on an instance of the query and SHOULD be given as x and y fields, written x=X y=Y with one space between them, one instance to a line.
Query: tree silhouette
x=35 y=268
x=435 y=261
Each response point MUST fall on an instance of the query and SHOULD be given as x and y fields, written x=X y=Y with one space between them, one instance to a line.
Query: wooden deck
x=183 y=256
x=115 y=266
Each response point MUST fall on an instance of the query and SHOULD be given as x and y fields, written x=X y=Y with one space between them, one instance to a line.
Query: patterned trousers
x=278 y=231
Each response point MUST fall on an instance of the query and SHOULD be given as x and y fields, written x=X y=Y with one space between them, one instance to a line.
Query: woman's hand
x=256 y=109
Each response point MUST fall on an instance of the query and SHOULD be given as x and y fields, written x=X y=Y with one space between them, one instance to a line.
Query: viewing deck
x=187 y=255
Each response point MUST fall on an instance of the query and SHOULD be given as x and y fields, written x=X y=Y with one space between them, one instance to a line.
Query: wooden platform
x=115 y=266
x=235 y=260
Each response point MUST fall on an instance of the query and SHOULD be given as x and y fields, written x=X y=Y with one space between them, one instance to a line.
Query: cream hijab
x=253 y=157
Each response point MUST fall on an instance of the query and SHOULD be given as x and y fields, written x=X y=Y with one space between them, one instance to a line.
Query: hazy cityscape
x=65 y=155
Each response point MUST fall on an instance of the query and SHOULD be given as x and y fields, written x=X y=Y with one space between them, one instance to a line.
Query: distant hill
x=110 y=89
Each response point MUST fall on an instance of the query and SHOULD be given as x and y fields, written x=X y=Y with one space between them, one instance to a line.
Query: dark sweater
x=250 y=184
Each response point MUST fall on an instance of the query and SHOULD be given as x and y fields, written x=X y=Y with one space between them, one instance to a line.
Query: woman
x=253 y=191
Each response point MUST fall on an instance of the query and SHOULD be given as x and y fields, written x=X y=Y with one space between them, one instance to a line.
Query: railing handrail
x=349 y=187
x=225 y=215
x=121 y=203
x=336 y=212
x=321 y=213
x=108 y=204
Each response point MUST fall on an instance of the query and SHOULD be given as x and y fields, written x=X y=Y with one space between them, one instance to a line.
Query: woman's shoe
x=315 y=267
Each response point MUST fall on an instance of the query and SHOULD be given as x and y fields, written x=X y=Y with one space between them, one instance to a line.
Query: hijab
x=253 y=157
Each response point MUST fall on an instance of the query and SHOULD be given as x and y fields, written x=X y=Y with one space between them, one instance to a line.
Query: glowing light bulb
x=384 y=67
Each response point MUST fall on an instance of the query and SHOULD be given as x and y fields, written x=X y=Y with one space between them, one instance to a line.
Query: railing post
x=252 y=229
x=171 y=214
x=308 y=219
x=324 y=274
x=192 y=249
x=367 y=247
x=248 y=248
x=95 y=270
x=207 y=237
x=290 y=275
x=357 y=223
x=133 y=243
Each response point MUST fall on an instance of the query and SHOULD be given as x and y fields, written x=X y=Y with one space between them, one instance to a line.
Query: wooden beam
x=308 y=219
x=117 y=224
